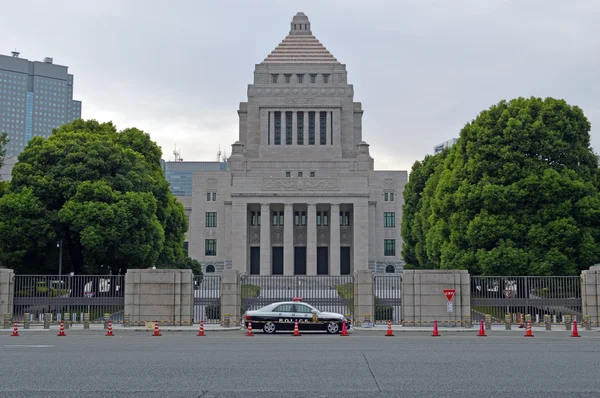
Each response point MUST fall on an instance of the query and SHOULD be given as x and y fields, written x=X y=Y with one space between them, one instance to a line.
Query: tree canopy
x=3 y=143
x=102 y=193
x=518 y=194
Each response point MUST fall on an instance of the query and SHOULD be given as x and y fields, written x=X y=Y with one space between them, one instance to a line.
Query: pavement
x=86 y=363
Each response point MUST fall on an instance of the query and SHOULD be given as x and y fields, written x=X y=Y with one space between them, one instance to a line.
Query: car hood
x=331 y=314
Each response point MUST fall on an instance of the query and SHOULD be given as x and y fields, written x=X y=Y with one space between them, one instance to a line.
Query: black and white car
x=282 y=316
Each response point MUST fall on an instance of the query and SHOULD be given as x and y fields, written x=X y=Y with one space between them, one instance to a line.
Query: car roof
x=273 y=305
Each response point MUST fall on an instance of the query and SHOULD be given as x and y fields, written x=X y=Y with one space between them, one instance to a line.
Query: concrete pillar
x=7 y=291
x=329 y=133
x=288 y=239
x=265 y=239
x=239 y=237
x=311 y=240
x=231 y=301
x=337 y=122
x=306 y=127
x=423 y=298
x=590 y=293
x=360 y=245
x=364 y=297
x=334 y=240
x=294 y=128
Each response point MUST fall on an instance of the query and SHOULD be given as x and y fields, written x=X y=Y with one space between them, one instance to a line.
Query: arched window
x=210 y=269
x=390 y=269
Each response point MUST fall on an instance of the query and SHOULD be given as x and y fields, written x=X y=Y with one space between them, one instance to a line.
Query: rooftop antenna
x=219 y=154
x=177 y=155
x=15 y=53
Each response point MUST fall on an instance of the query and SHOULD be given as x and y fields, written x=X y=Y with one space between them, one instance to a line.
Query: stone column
x=334 y=240
x=239 y=237
x=7 y=290
x=265 y=239
x=328 y=128
x=305 y=125
x=337 y=121
x=590 y=293
x=294 y=128
x=360 y=245
x=288 y=239
x=231 y=298
x=311 y=240
x=364 y=298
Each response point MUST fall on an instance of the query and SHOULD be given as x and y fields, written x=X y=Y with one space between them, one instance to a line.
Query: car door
x=284 y=316
x=305 y=317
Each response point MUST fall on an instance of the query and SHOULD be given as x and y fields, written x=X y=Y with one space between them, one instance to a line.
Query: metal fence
x=388 y=299
x=76 y=295
x=207 y=298
x=327 y=293
x=537 y=296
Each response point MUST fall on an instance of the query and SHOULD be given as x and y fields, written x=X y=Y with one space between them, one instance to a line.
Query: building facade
x=300 y=195
x=446 y=144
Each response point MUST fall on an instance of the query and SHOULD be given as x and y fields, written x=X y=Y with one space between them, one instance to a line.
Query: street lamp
x=59 y=244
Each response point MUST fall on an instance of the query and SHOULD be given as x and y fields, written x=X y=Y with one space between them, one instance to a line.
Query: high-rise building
x=179 y=174
x=300 y=195
x=35 y=97
x=446 y=144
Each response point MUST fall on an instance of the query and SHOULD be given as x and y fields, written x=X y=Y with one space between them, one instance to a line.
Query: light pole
x=59 y=244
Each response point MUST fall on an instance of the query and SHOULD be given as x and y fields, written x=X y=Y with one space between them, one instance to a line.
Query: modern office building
x=180 y=174
x=35 y=97
x=447 y=144
x=300 y=195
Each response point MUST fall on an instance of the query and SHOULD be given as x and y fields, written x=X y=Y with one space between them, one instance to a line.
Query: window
x=288 y=174
x=300 y=128
x=211 y=219
x=303 y=218
x=274 y=218
x=318 y=218
x=300 y=77
x=299 y=174
x=347 y=218
x=313 y=78
x=208 y=196
x=303 y=309
x=388 y=196
x=274 y=78
x=391 y=196
x=288 y=78
x=325 y=78
x=312 y=173
x=385 y=196
x=390 y=269
x=311 y=128
x=389 y=219
x=296 y=218
x=210 y=269
x=325 y=218
x=280 y=218
x=255 y=218
x=210 y=247
x=341 y=218
x=389 y=247
x=288 y=128
x=214 y=196
x=284 y=308
x=323 y=128
x=277 y=128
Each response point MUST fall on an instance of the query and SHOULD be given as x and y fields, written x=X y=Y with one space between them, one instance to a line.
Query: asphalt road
x=230 y=365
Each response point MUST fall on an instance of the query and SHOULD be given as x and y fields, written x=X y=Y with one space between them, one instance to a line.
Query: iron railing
x=327 y=293
x=207 y=299
x=537 y=296
x=76 y=295
x=388 y=299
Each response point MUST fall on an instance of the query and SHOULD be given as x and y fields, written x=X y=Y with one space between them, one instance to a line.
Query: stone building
x=300 y=195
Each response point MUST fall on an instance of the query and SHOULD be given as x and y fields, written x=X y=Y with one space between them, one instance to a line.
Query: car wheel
x=269 y=328
x=333 y=327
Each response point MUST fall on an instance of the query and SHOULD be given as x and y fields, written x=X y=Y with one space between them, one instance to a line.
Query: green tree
x=517 y=194
x=3 y=143
x=100 y=191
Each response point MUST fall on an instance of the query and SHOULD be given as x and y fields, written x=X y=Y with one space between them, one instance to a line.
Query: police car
x=282 y=316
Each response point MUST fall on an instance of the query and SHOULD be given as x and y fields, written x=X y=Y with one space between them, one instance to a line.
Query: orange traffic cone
x=201 y=330
x=296 y=331
x=575 y=332
x=389 y=329
x=481 y=329
x=109 y=332
x=249 y=329
x=344 y=330
x=62 y=329
x=15 y=331
x=521 y=325
x=156 y=330
x=528 y=333
x=435 y=329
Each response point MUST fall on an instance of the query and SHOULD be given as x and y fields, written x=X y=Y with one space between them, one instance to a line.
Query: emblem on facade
x=212 y=182
x=322 y=238
x=299 y=101
x=300 y=238
x=389 y=183
x=300 y=184
x=277 y=237
x=255 y=238
x=344 y=238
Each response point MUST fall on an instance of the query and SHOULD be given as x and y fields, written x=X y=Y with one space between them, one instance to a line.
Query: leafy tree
x=101 y=192
x=3 y=142
x=517 y=194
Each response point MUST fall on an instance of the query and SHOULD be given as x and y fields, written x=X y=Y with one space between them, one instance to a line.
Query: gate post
x=231 y=297
x=364 y=295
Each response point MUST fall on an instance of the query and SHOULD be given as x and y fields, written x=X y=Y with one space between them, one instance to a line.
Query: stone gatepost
x=590 y=294
x=231 y=297
x=364 y=297
x=423 y=298
x=7 y=291
x=163 y=295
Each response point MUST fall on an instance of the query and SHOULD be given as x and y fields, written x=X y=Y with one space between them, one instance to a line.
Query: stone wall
x=423 y=299
x=7 y=290
x=164 y=295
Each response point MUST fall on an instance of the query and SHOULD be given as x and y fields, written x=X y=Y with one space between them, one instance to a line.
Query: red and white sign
x=449 y=293
x=507 y=293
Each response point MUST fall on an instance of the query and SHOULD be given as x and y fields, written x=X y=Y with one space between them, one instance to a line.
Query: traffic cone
x=521 y=325
x=575 y=333
x=109 y=332
x=201 y=330
x=435 y=329
x=528 y=332
x=62 y=329
x=481 y=329
x=15 y=331
x=296 y=331
x=156 y=330
x=344 y=330
x=389 y=329
x=249 y=329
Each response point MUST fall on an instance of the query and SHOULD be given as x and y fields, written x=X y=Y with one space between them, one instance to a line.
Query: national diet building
x=300 y=195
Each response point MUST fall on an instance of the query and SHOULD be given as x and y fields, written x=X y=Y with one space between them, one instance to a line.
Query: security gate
x=207 y=298
x=388 y=299
x=327 y=293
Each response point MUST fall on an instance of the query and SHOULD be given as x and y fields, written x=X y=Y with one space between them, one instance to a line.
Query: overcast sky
x=422 y=69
